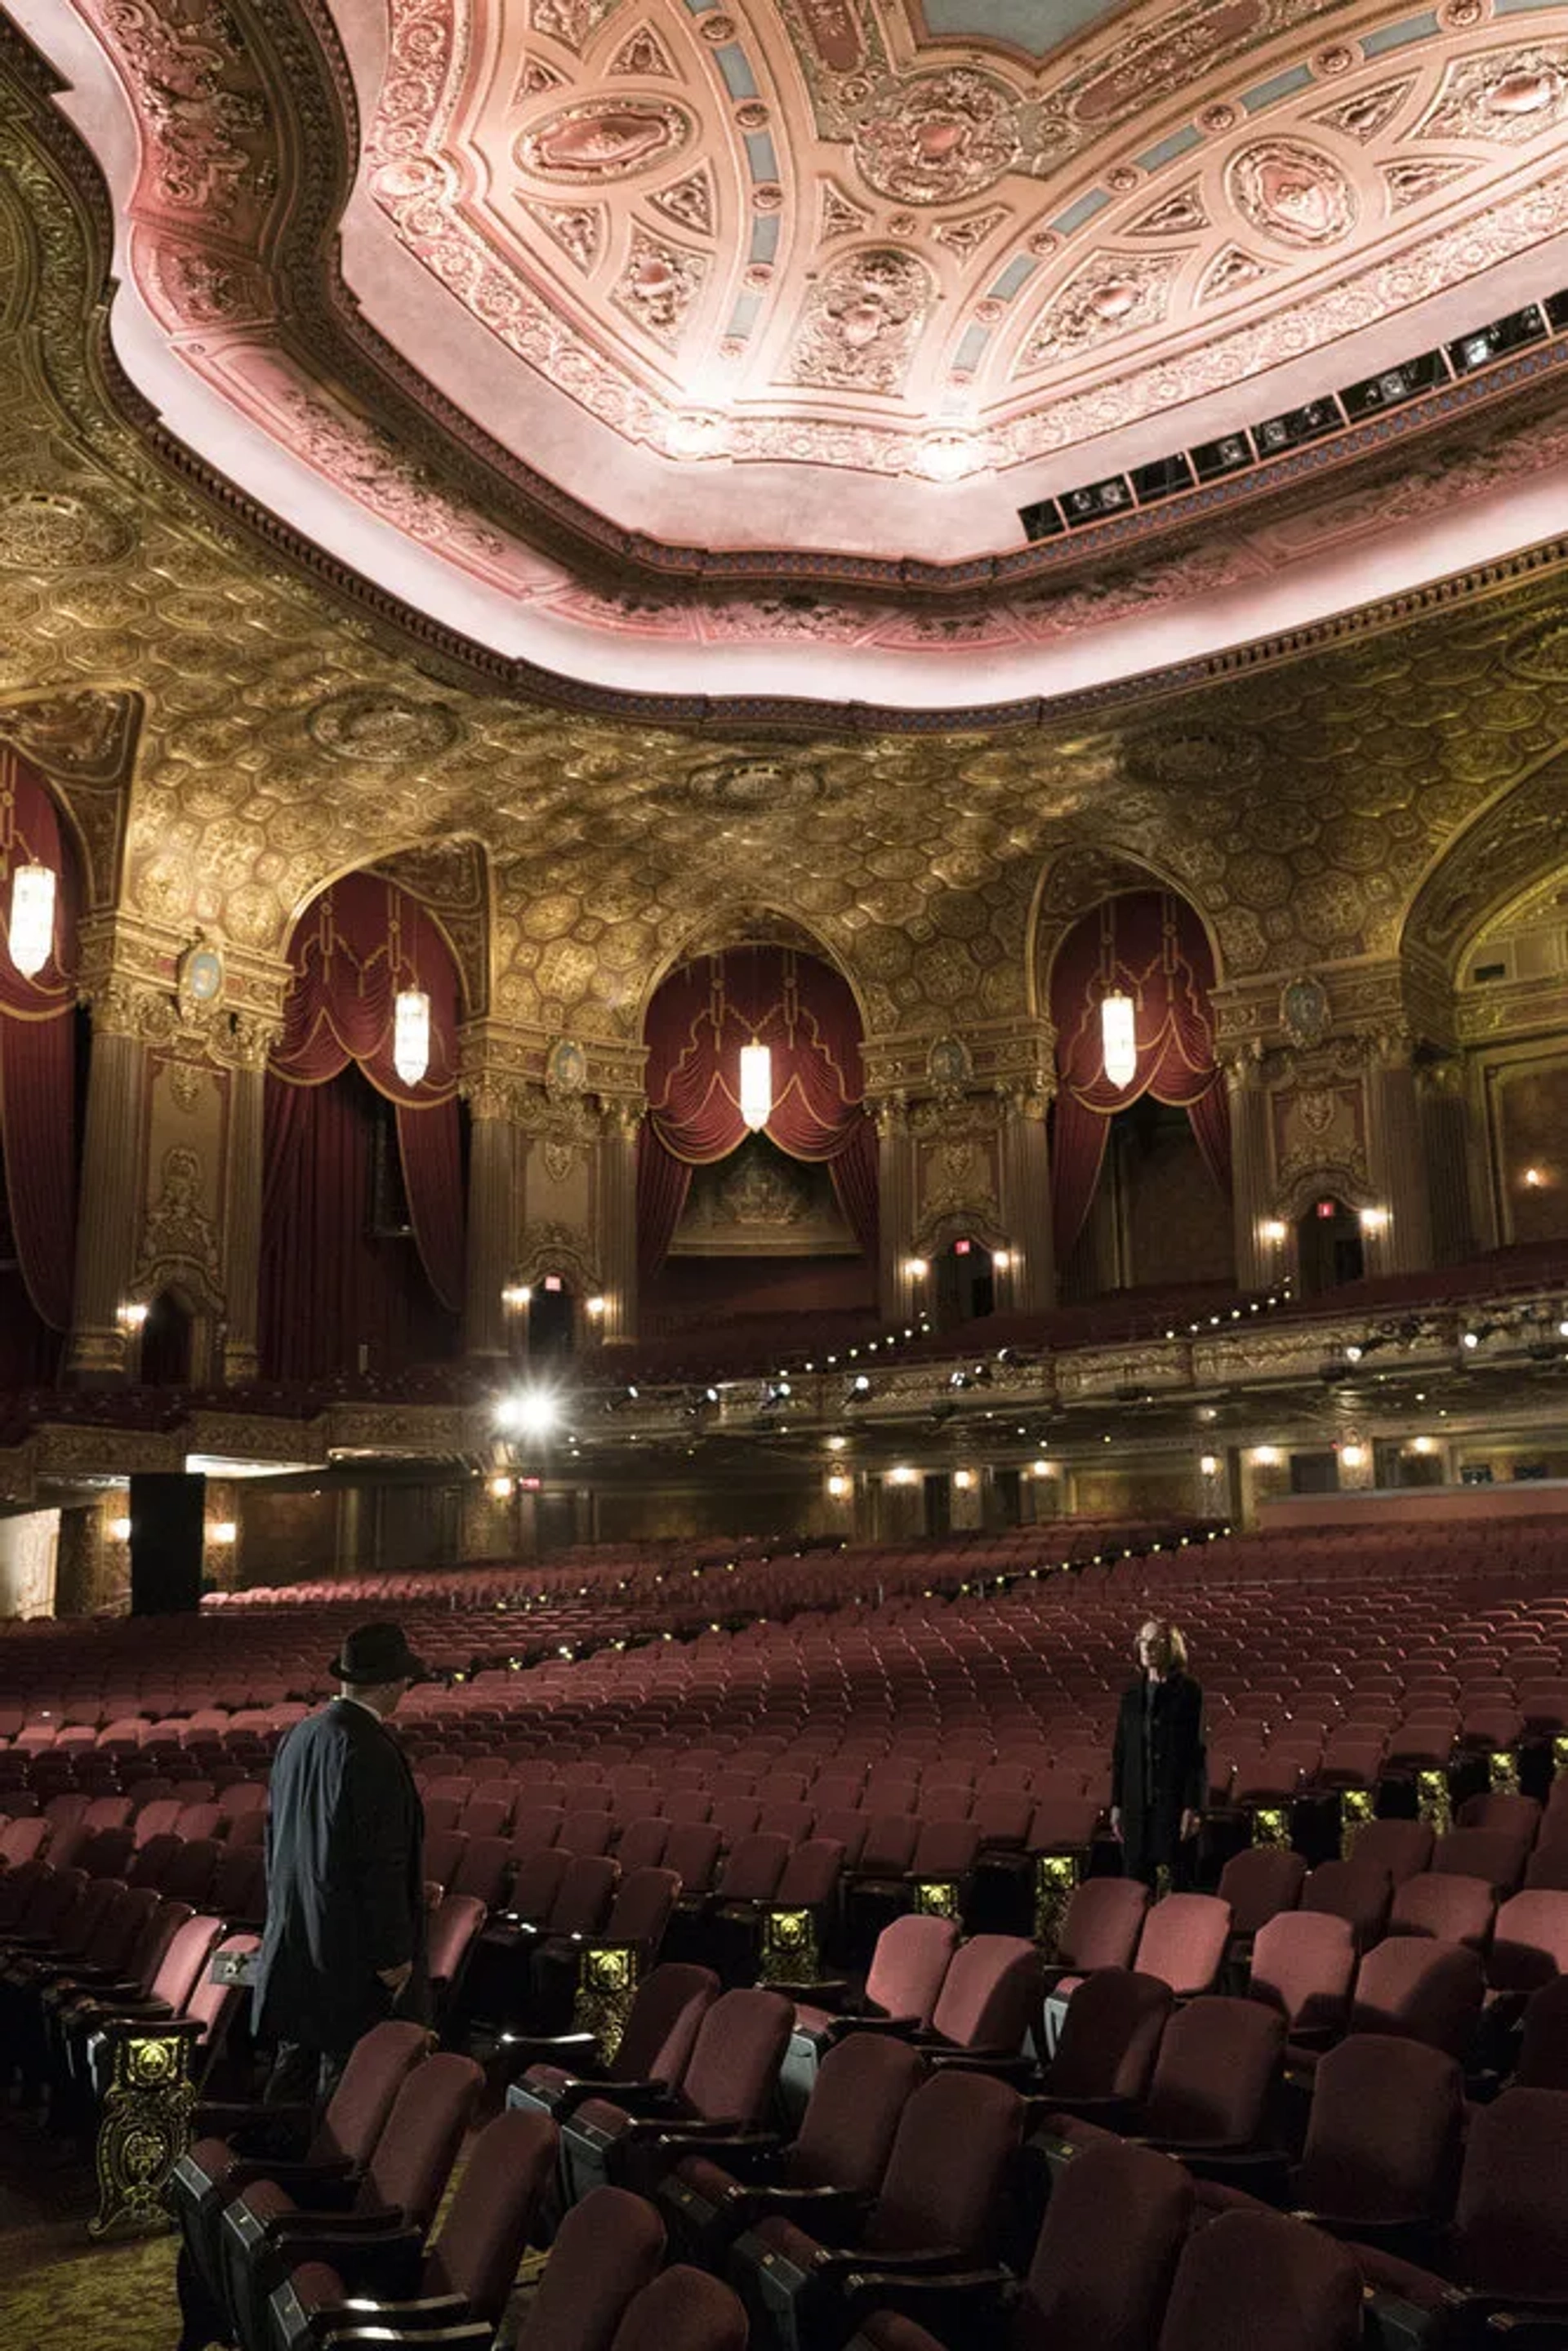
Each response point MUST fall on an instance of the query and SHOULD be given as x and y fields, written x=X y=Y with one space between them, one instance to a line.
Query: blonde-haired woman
x=1159 y=1768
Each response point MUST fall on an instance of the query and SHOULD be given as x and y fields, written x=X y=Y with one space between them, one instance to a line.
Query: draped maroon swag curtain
x=362 y=941
x=1152 y=945
x=697 y=1023
x=37 y=1054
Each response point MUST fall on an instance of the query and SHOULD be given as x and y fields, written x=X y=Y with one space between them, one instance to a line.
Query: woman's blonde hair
x=1171 y=1637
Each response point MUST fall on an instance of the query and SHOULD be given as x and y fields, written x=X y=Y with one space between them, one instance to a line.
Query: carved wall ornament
x=642 y=52
x=966 y=235
x=1179 y=213
x=1232 y=269
x=861 y=321
x=603 y=138
x=933 y=138
x=756 y=784
x=49 y=530
x=566 y=1068
x=1365 y=112
x=658 y=284
x=88 y=734
x=1293 y=193
x=1113 y=294
x=690 y=202
x=570 y=22
x=578 y=229
x=1305 y=1014
x=1511 y=95
x=382 y=730
x=179 y=1242
x=1543 y=652
x=949 y=1064
x=551 y=1248
x=1411 y=179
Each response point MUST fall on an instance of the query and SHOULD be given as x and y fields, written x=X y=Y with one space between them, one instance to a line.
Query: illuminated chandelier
x=31 y=936
x=755 y=1084
x=410 y=1035
x=1119 y=1037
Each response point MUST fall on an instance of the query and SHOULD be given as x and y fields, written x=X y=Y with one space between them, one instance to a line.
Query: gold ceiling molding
x=284 y=736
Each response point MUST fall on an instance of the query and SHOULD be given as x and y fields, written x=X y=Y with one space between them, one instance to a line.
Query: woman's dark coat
x=1176 y=1781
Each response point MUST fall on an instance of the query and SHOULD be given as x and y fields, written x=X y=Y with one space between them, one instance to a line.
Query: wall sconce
x=1373 y=1220
x=916 y=1268
x=1272 y=1230
x=515 y=1293
x=1354 y=1457
x=501 y=1489
x=902 y=1476
x=120 y=1530
x=1042 y=1469
x=837 y=1444
x=594 y=1306
x=223 y=1531
x=1266 y=1456
x=1208 y=1465
x=131 y=1315
x=837 y=1486
x=963 y=1480
x=1000 y=1261
x=1534 y=1180
x=1423 y=1445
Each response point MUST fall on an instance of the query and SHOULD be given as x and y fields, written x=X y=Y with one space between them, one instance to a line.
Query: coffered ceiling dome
x=718 y=350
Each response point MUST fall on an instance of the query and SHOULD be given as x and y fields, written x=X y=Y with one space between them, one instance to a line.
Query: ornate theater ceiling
x=699 y=351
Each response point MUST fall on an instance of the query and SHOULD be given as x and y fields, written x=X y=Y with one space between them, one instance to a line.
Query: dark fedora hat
x=376 y=1653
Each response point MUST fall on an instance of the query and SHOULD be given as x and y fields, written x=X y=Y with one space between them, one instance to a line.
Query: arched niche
x=736 y=1223
x=363 y=1181
x=43 y=1050
x=1141 y=1157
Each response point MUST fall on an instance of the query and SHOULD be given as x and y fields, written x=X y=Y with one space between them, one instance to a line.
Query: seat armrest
x=376 y=2338
x=825 y=2214
x=417 y=2315
x=897 y=2028
x=1009 y=2066
x=968 y=2306
x=319 y=2181
x=837 y=2266
x=831 y=1993
x=573 y=2049
x=379 y=2221
x=744 y=2151
x=380 y=2266
x=646 y=2101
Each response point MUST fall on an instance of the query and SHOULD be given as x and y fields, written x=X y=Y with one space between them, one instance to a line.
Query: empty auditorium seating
x=630 y=2139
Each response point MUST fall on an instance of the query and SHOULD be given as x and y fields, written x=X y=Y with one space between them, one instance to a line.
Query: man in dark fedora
x=344 y=1941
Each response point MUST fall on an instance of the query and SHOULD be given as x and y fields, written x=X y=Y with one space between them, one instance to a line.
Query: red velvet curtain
x=37 y=1053
x=328 y=1284
x=362 y=941
x=697 y=1023
x=1151 y=946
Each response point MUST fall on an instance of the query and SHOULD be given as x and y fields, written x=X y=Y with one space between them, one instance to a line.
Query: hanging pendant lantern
x=1118 y=1037
x=755 y=1084
x=31 y=936
x=410 y=1035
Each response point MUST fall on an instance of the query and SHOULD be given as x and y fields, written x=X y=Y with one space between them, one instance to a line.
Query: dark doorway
x=552 y=1322
x=966 y=1283
x=1329 y=1247
x=166 y=1345
x=939 y=1500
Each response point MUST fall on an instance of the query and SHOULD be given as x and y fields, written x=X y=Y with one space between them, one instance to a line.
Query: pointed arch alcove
x=1140 y=1153
x=736 y=1221
x=43 y=1068
x=362 y=1198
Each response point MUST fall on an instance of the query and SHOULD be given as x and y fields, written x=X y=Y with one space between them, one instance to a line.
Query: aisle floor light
x=31 y=936
x=1118 y=1038
x=755 y=1084
x=410 y=1035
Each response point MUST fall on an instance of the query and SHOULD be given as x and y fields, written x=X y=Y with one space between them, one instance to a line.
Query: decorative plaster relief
x=603 y=138
x=937 y=137
x=1294 y=194
x=861 y=321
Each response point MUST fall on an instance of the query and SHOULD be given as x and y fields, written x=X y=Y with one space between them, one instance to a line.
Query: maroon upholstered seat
x=1382 y=2150
x=1255 y=2277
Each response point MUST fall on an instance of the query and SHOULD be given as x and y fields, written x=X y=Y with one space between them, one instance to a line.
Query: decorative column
x=1026 y=1198
x=616 y=1218
x=1257 y=1260
x=1396 y=1157
x=895 y=1182
x=125 y=1013
x=252 y=1040
x=492 y=1211
x=1214 y=1472
x=966 y=1500
x=1445 y=1136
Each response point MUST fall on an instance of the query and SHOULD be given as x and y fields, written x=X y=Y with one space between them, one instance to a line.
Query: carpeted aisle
x=58 y=2287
